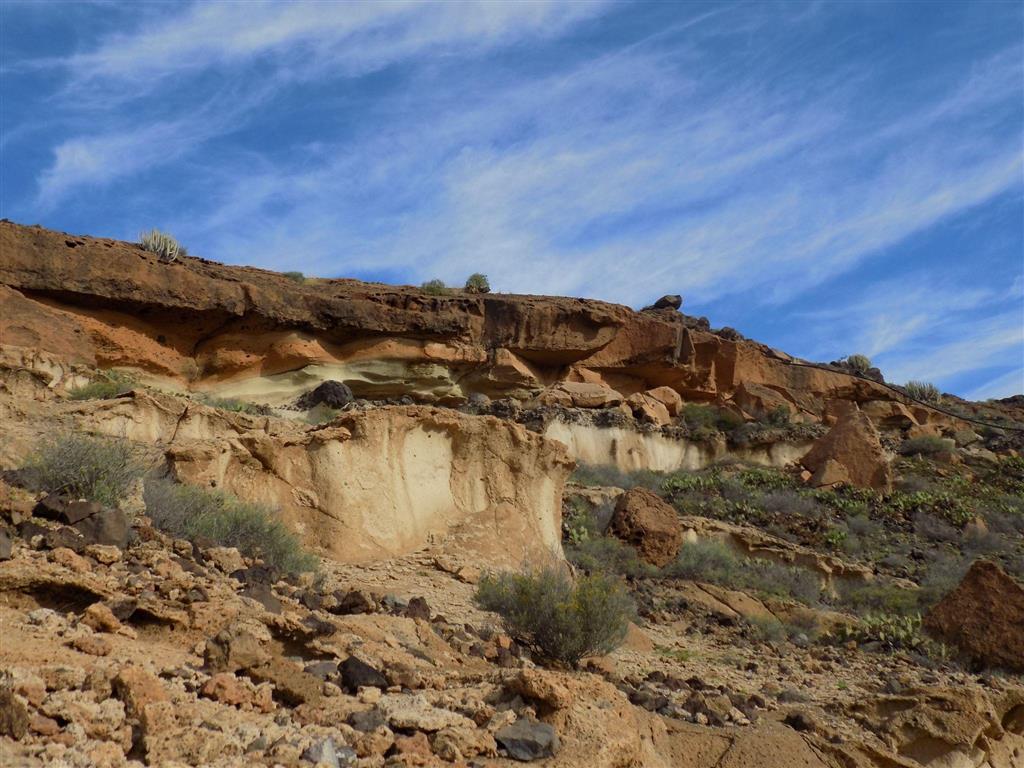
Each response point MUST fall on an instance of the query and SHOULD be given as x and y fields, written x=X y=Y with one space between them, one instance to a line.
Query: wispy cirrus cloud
x=757 y=158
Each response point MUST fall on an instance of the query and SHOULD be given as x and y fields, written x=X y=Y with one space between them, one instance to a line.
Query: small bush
x=99 y=469
x=896 y=633
x=610 y=475
x=321 y=414
x=163 y=245
x=715 y=563
x=478 y=283
x=606 y=554
x=560 y=621
x=926 y=445
x=434 y=288
x=876 y=598
x=297 y=277
x=923 y=390
x=189 y=512
x=858 y=363
x=106 y=384
x=234 y=405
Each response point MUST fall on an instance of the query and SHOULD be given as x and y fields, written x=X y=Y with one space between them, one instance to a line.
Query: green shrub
x=192 y=513
x=321 y=414
x=610 y=475
x=895 y=633
x=234 y=405
x=106 y=384
x=477 y=283
x=923 y=390
x=560 y=621
x=99 y=469
x=297 y=277
x=715 y=563
x=163 y=245
x=926 y=445
x=876 y=598
x=606 y=554
x=858 y=363
x=434 y=288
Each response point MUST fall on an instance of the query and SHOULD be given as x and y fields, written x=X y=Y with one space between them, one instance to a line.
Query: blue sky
x=827 y=178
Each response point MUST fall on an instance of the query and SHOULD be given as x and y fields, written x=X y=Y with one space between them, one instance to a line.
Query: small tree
x=858 y=363
x=560 y=621
x=477 y=283
x=434 y=287
x=163 y=245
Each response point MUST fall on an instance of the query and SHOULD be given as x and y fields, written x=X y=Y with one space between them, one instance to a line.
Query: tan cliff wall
x=371 y=485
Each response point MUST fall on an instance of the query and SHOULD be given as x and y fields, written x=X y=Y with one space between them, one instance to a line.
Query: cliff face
x=73 y=301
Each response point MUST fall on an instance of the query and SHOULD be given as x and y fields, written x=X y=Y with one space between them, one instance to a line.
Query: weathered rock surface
x=249 y=333
x=850 y=453
x=984 y=617
x=644 y=520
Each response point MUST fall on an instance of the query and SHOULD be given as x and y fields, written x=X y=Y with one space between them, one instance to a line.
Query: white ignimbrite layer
x=630 y=450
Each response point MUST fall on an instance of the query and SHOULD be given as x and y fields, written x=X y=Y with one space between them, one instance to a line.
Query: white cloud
x=1006 y=385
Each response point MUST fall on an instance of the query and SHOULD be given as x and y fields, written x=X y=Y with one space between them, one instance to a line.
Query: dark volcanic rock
x=528 y=739
x=333 y=394
x=356 y=674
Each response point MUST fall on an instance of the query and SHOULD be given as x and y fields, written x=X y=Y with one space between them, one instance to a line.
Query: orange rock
x=984 y=617
x=642 y=519
x=854 y=447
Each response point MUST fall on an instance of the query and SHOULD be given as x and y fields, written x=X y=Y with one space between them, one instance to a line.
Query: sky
x=828 y=178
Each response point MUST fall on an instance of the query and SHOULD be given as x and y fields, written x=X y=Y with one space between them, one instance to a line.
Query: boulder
x=6 y=545
x=356 y=674
x=642 y=519
x=984 y=617
x=13 y=714
x=668 y=301
x=580 y=394
x=332 y=394
x=668 y=397
x=646 y=408
x=854 y=445
x=527 y=739
x=105 y=526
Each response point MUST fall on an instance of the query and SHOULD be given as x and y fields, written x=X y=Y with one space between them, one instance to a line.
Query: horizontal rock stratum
x=244 y=332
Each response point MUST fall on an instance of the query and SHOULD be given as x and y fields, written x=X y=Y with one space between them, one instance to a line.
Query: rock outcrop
x=643 y=520
x=73 y=302
x=370 y=484
x=850 y=453
x=984 y=617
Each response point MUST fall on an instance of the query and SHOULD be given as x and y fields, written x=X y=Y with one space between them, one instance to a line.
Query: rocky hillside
x=245 y=516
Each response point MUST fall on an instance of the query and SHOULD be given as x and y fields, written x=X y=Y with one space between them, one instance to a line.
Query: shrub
x=610 y=475
x=715 y=563
x=858 y=363
x=477 y=283
x=875 y=598
x=434 y=288
x=789 y=502
x=106 y=384
x=560 y=621
x=926 y=445
x=163 y=245
x=192 y=513
x=606 y=554
x=321 y=414
x=896 y=633
x=297 y=277
x=923 y=390
x=99 y=469
x=234 y=405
